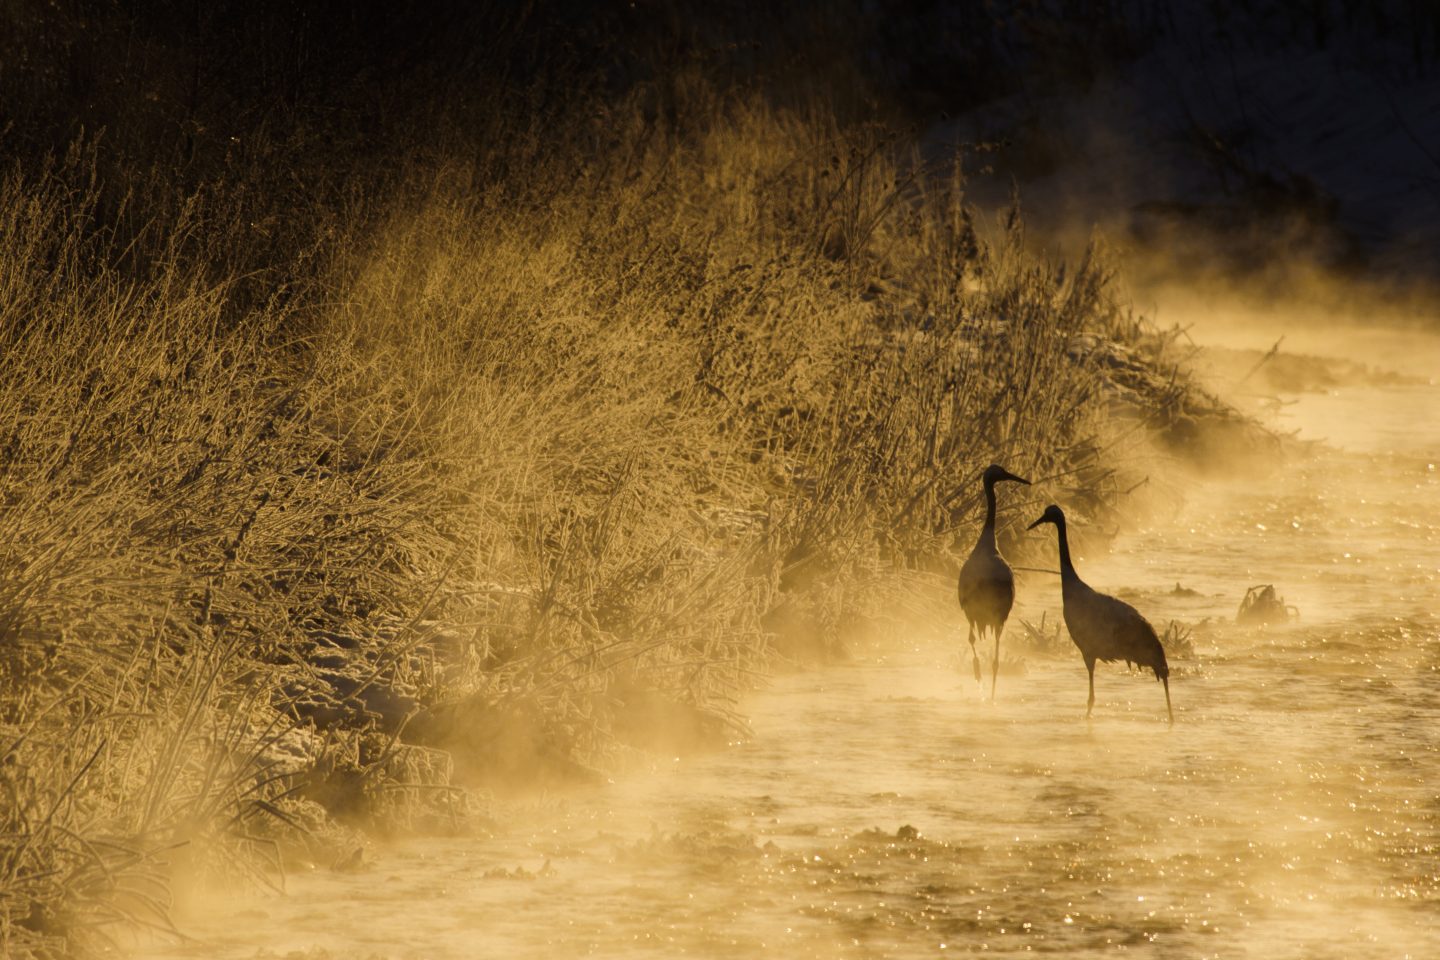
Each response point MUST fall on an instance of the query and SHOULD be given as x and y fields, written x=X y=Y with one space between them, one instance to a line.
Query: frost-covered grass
x=522 y=460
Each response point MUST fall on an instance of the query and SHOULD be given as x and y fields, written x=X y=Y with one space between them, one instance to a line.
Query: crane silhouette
x=1103 y=627
x=987 y=586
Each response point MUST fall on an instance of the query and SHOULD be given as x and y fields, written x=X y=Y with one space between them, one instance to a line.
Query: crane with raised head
x=987 y=585
x=1103 y=627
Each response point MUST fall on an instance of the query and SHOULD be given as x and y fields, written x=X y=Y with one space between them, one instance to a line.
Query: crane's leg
x=995 y=667
x=1090 y=666
x=974 y=656
x=1168 y=710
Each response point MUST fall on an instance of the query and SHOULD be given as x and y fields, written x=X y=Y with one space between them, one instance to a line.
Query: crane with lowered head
x=1103 y=627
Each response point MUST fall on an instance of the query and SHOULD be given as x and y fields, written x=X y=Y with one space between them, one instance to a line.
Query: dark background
x=1237 y=132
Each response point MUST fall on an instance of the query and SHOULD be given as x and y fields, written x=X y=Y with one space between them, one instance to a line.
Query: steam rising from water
x=884 y=809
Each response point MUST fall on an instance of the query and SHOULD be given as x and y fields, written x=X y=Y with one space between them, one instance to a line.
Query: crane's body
x=987 y=585
x=1102 y=627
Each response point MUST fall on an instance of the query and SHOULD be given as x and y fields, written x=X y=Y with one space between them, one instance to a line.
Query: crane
x=987 y=585
x=1103 y=627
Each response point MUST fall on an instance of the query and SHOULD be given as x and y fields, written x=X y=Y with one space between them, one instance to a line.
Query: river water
x=883 y=808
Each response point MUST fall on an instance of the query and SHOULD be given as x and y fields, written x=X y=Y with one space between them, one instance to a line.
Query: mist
x=497 y=482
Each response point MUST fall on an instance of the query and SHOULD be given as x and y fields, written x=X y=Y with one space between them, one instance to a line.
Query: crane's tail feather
x=1161 y=668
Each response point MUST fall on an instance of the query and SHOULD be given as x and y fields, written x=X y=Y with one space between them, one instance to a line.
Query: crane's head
x=1052 y=514
x=995 y=473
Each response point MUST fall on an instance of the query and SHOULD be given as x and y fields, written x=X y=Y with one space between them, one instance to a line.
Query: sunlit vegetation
x=490 y=470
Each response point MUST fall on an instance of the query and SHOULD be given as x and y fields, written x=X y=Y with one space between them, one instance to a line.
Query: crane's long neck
x=1067 y=568
x=987 y=533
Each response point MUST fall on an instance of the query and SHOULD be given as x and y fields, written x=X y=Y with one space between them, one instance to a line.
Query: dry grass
x=526 y=461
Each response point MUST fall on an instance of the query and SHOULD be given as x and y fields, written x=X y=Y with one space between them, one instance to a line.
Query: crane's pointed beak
x=1010 y=476
x=1036 y=524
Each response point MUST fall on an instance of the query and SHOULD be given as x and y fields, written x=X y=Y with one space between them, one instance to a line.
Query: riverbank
x=359 y=459
x=534 y=472
x=886 y=807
